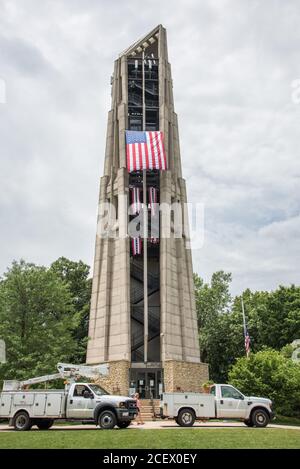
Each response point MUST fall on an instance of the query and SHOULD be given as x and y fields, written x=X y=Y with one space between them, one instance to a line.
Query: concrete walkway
x=159 y=424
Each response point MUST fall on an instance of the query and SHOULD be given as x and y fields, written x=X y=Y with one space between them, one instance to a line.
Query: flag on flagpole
x=135 y=200
x=246 y=333
x=136 y=246
x=247 y=341
x=145 y=150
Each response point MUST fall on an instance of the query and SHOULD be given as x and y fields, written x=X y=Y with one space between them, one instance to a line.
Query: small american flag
x=136 y=246
x=145 y=150
x=247 y=341
x=135 y=200
x=152 y=199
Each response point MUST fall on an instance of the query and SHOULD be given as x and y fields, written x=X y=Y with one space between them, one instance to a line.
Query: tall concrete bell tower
x=150 y=342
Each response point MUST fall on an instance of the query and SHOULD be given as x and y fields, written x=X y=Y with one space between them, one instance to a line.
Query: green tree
x=269 y=373
x=212 y=299
x=221 y=338
x=280 y=320
x=273 y=317
x=273 y=320
x=37 y=320
x=76 y=276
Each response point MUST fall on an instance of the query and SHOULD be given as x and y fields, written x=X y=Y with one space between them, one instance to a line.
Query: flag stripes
x=247 y=341
x=136 y=246
x=145 y=150
x=135 y=200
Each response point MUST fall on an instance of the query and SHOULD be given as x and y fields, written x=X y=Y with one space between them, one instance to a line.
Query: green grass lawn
x=175 y=439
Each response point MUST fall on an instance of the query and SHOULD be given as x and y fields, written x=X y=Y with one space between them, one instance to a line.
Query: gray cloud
x=233 y=63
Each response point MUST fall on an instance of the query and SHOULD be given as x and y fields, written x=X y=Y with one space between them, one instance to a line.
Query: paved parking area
x=160 y=424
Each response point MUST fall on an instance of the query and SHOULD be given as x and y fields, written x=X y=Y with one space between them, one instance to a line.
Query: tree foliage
x=269 y=373
x=273 y=317
x=273 y=320
x=36 y=320
x=76 y=276
x=43 y=316
x=221 y=338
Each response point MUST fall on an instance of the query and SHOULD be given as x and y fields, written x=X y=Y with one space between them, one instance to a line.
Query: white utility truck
x=223 y=402
x=86 y=402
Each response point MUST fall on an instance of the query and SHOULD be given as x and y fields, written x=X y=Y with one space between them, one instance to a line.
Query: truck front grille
x=131 y=404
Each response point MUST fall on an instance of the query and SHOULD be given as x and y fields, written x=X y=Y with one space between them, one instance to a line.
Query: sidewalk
x=160 y=425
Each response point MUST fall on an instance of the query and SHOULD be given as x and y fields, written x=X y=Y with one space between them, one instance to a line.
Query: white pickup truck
x=82 y=401
x=223 y=402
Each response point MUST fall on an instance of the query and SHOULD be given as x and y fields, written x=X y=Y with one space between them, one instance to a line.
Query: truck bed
x=38 y=403
x=204 y=404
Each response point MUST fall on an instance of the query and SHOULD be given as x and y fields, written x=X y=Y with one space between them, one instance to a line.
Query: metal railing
x=137 y=313
x=137 y=340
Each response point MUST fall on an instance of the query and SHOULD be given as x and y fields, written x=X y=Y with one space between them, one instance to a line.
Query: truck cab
x=82 y=400
x=91 y=402
x=230 y=403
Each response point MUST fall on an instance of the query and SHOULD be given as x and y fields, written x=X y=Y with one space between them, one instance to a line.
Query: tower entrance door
x=147 y=382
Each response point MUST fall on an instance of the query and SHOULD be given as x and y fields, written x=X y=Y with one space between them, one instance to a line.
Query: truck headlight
x=122 y=404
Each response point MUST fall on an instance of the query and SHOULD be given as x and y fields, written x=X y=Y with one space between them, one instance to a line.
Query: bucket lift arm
x=68 y=371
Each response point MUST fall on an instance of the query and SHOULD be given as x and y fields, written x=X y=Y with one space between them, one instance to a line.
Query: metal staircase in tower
x=137 y=309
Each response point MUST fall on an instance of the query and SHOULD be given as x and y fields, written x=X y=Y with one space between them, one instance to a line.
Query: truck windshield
x=97 y=390
x=230 y=392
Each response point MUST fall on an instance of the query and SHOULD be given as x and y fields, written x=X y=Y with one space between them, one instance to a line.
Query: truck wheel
x=45 y=424
x=248 y=423
x=22 y=422
x=123 y=424
x=260 y=418
x=107 y=420
x=186 y=418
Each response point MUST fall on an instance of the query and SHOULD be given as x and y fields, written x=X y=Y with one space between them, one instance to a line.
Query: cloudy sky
x=234 y=65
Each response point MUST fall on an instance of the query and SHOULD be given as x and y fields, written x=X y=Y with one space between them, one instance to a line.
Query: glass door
x=141 y=386
x=148 y=383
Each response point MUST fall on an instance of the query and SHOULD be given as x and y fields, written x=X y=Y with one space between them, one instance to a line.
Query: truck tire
x=186 y=418
x=248 y=423
x=123 y=424
x=44 y=424
x=107 y=420
x=22 y=421
x=260 y=418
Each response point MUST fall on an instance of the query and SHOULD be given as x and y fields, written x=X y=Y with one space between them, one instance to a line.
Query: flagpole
x=145 y=214
x=244 y=318
x=244 y=324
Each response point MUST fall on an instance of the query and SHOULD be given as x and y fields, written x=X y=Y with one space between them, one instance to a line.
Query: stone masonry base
x=178 y=377
x=184 y=376
x=117 y=381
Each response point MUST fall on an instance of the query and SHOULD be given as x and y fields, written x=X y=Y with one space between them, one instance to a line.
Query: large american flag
x=145 y=150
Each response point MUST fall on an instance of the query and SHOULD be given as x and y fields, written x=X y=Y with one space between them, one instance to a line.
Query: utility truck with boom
x=81 y=401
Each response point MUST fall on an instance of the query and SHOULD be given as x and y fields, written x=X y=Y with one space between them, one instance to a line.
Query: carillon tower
x=143 y=317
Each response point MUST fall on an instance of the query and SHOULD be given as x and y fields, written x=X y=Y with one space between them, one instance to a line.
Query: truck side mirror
x=88 y=395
